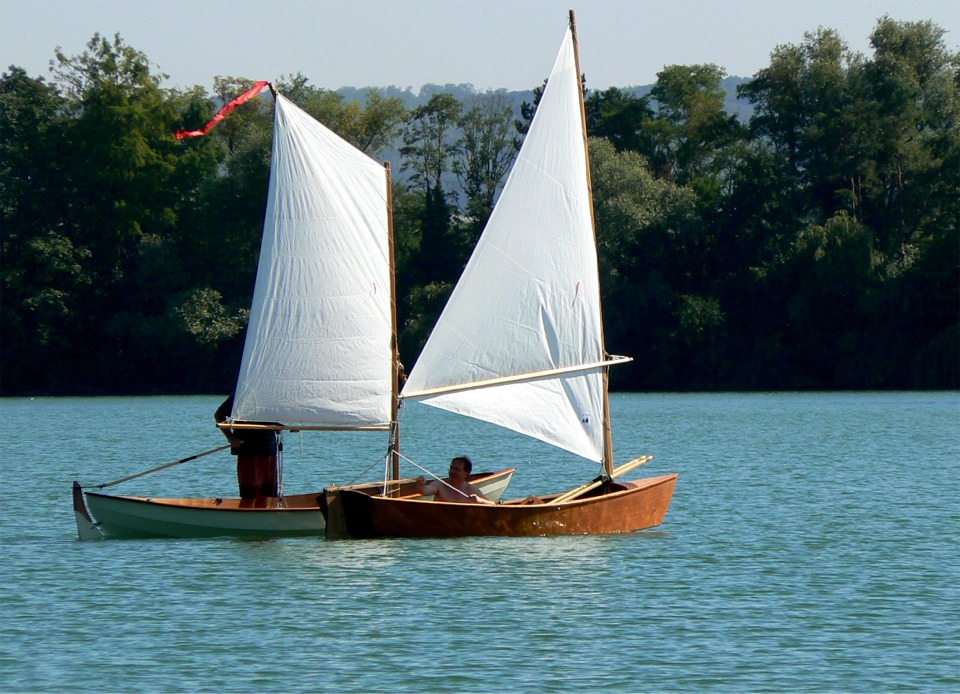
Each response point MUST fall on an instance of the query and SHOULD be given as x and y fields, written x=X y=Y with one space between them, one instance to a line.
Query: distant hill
x=462 y=92
x=732 y=105
x=412 y=100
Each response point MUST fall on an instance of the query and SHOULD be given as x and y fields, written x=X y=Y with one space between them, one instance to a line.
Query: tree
x=428 y=141
x=40 y=266
x=692 y=129
x=428 y=147
x=482 y=157
x=42 y=269
x=370 y=126
x=645 y=227
x=622 y=118
x=219 y=231
x=528 y=110
x=810 y=105
x=914 y=82
x=113 y=204
x=864 y=155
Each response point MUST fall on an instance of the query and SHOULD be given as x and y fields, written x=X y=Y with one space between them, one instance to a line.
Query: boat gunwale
x=644 y=483
x=209 y=503
x=473 y=478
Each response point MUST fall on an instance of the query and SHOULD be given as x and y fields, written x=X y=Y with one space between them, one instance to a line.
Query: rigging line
x=365 y=471
x=158 y=469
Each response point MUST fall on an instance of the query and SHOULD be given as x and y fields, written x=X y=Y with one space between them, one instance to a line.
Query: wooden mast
x=607 y=430
x=394 y=342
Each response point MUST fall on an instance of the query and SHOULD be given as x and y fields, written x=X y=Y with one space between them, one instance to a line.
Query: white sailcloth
x=529 y=299
x=318 y=345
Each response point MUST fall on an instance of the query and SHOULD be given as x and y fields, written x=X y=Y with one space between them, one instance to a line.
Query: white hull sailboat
x=321 y=346
x=520 y=344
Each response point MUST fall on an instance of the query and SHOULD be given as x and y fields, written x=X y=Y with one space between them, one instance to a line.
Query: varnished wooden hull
x=615 y=508
x=492 y=484
x=296 y=515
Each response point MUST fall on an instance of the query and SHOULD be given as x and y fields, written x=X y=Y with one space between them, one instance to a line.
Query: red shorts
x=257 y=475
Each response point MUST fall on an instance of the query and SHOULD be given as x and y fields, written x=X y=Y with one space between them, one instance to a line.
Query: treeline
x=814 y=247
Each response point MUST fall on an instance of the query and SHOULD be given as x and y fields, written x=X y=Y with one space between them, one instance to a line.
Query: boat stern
x=87 y=528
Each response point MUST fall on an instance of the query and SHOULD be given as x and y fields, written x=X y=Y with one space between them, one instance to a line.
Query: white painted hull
x=301 y=515
x=124 y=516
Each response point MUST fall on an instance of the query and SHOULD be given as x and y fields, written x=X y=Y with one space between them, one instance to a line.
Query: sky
x=408 y=43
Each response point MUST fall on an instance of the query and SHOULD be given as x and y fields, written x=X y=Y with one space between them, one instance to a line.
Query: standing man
x=256 y=451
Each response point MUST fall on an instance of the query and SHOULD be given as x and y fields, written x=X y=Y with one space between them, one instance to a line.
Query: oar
x=162 y=467
x=583 y=489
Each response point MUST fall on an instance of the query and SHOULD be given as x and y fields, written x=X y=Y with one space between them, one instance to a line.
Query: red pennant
x=224 y=112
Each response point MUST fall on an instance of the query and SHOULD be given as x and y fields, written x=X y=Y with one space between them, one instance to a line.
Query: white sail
x=528 y=301
x=318 y=345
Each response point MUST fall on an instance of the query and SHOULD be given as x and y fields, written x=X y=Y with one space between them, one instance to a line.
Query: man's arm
x=476 y=496
x=480 y=499
x=424 y=489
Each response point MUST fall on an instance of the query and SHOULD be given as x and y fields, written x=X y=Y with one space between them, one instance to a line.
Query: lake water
x=811 y=546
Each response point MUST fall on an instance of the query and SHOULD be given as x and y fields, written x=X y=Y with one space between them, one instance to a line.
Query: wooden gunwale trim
x=473 y=479
x=226 y=505
x=630 y=487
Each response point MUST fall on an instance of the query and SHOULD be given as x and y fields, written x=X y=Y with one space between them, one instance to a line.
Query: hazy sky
x=408 y=43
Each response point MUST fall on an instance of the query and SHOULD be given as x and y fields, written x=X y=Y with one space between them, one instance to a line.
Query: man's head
x=461 y=465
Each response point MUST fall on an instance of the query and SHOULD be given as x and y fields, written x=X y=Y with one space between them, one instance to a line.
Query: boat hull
x=127 y=516
x=293 y=516
x=614 y=508
x=493 y=485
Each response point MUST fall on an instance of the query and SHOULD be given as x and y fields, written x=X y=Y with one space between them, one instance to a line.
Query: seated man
x=455 y=488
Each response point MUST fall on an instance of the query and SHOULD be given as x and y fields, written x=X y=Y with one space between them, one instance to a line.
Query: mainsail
x=318 y=346
x=527 y=308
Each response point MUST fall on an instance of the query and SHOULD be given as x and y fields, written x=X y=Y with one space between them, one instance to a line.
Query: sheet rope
x=156 y=469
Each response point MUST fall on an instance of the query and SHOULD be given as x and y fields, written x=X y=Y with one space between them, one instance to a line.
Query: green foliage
x=371 y=126
x=424 y=305
x=206 y=318
x=483 y=156
x=41 y=267
x=817 y=246
x=645 y=226
x=693 y=138
x=428 y=141
x=622 y=118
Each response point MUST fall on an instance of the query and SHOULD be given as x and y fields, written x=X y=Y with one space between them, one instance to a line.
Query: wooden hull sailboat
x=320 y=352
x=520 y=344
x=614 y=507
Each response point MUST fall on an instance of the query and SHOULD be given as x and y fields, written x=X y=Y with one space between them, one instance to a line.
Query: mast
x=607 y=430
x=394 y=342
